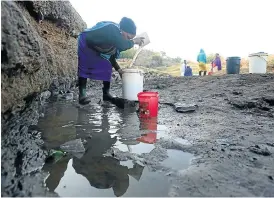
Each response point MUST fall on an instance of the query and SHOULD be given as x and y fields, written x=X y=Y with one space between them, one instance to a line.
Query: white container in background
x=258 y=63
x=146 y=38
x=133 y=82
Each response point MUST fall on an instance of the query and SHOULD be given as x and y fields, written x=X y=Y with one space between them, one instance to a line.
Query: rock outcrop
x=36 y=55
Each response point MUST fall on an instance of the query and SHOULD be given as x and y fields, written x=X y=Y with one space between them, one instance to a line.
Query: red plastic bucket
x=148 y=104
x=149 y=138
x=148 y=123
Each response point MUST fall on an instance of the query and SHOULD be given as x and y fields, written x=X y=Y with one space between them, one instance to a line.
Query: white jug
x=146 y=38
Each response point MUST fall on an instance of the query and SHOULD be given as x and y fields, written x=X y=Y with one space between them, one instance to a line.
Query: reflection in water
x=56 y=172
x=96 y=126
x=73 y=184
x=94 y=174
x=101 y=172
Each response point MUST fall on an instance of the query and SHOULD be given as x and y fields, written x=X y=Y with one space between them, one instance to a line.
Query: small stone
x=73 y=146
x=252 y=159
x=185 y=108
x=45 y=95
x=236 y=93
x=160 y=86
x=259 y=151
x=69 y=96
x=270 y=177
x=270 y=144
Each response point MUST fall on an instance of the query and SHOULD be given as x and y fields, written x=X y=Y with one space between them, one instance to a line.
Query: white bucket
x=133 y=82
x=258 y=63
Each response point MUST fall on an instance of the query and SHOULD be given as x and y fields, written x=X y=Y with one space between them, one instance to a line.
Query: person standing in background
x=183 y=68
x=201 y=59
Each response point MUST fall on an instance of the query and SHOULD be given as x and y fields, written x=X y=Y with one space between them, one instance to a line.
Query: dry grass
x=175 y=70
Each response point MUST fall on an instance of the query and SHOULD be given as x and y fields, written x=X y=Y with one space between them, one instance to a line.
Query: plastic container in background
x=258 y=63
x=146 y=40
x=133 y=82
x=148 y=104
x=233 y=65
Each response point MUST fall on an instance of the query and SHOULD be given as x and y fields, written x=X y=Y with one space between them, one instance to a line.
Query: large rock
x=62 y=13
x=34 y=56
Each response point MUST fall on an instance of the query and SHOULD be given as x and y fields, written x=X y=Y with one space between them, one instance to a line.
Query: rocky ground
x=231 y=136
x=231 y=132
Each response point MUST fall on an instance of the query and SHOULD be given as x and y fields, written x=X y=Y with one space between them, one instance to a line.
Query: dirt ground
x=231 y=135
x=231 y=132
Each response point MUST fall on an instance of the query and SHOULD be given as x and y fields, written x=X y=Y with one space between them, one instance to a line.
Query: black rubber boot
x=204 y=73
x=200 y=73
x=83 y=99
x=106 y=94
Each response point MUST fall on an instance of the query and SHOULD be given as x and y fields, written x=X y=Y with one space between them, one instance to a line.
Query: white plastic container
x=133 y=82
x=258 y=63
x=146 y=38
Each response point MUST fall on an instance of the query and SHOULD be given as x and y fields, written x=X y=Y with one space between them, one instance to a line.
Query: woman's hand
x=139 y=40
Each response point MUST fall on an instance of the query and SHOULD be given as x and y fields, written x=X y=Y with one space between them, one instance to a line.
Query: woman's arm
x=114 y=63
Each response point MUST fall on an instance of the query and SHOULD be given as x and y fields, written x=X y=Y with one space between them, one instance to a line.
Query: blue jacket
x=201 y=58
x=106 y=35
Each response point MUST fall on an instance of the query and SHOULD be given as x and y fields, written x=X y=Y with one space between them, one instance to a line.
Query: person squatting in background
x=186 y=69
x=98 y=48
x=217 y=62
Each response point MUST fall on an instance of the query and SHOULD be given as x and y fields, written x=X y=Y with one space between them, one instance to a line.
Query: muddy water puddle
x=103 y=128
